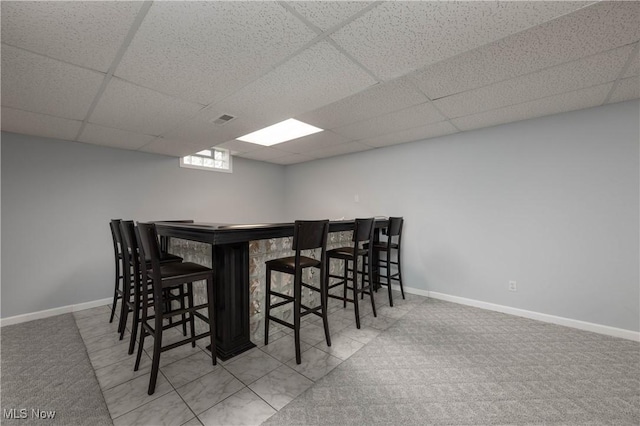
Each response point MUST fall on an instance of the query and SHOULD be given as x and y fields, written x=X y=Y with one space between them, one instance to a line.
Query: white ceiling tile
x=417 y=133
x=586 y=72
x=201 y=131
x=327 y=14
x=34 y=83
x=417 y=115
x=30 y=123
x=86 y=33
x=292 y=159
x=584 y=98
x=203 y=51
x=627 y=89
x=377 y=100
x=316 y=77
x=399 y=37
x=264 y=154
x=593 y=29
x=168 y=147
x=312 y=142
x=239 y=147
x=100 y=135
x=341 y=149
x=129 y=107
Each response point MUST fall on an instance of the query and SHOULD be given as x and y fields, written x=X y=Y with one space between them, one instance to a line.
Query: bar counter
x=230 y=259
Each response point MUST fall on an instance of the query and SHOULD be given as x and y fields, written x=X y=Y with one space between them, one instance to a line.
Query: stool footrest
x=282 y=322
x=277 y=305
x=183 y=311
x=184 y=342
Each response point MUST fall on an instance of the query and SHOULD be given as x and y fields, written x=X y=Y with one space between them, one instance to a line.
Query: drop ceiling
x=154 y=76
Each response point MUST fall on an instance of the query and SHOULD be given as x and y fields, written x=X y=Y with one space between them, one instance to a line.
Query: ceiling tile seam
x=54 y=59
x=507 y=36
x=41 y=113
x=533 y=100
x=402 y=130
x=530 y=73
x=142 y=13
x=632 y=57
x=337 y=26
x=309 y=44
x=331 y=30
x=447 y=118
x=270 y=69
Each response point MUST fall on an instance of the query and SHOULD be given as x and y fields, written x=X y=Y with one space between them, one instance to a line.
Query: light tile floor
x=245 y=390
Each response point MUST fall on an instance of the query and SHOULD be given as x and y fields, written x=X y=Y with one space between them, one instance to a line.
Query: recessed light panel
x=280 y=132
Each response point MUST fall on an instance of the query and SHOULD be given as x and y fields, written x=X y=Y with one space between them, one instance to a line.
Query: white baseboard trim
x=568 y=322
x=53 y=312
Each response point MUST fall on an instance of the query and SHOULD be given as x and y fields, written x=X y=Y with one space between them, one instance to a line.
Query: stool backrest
x=149 y=249
x=130 y=252
x=395 y=226
x=363 y=231
x=310 y=234
x=114 y=224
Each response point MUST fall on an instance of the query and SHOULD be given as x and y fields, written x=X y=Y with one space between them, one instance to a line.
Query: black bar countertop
x=223 y=233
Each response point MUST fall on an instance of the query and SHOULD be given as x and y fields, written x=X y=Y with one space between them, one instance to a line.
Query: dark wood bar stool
x=114 y=225
x=307 y=235
x=170 y=276
x=133 y=281
x=362 y=234
x=392 y=244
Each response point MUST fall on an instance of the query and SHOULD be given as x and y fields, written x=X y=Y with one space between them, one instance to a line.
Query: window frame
x=210 y=169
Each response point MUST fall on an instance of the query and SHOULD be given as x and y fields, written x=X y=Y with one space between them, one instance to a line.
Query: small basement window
x=214 y=159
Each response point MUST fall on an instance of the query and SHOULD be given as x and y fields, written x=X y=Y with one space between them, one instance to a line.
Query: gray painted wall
x=58 y=198
x=551 y=203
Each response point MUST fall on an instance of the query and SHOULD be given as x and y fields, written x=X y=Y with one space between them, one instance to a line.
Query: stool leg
x=157 y=348
x=324 y=301
x=400 y=272
x=267 y=307
x=388 y=260
x=143 y=331
x=354 y=277
x=364 y=264
x=212 y=322
x=115 y=290
x=370 y=279
x=297 y=295
x=344 y=297
x=136 y=317
x=124 y=311
x=184 y=316
x=192 y=321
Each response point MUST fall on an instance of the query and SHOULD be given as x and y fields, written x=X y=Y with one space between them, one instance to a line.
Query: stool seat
x=287 y=264
x=391 y=245
x=362 y=237
x=307 y=235
x=171 y=276
x=134 y=282
x=383 y=246
x=178 y=270
x=166 y=258
x=346 y=252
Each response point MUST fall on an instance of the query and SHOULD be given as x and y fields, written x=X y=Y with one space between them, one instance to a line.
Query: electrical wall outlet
x=356 y=198
x=513 y=286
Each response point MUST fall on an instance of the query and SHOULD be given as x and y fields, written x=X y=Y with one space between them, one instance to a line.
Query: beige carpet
x=445 y=363
x=45 y=367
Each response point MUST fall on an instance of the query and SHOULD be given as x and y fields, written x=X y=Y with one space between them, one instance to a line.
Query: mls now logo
x=14 y=413
x=42 y=414
x=23 y=413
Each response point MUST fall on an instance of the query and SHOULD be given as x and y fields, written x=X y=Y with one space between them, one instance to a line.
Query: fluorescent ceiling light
x=280 y=132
